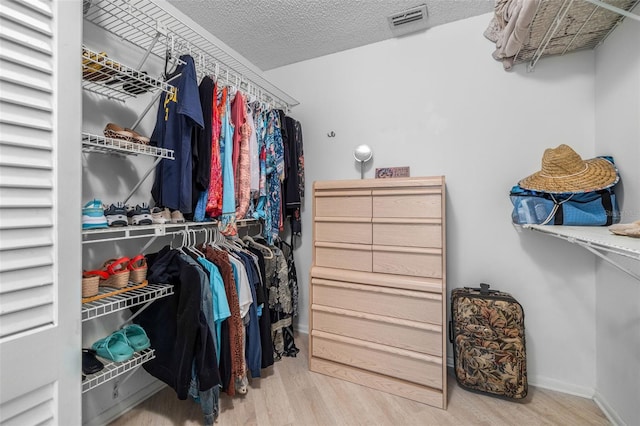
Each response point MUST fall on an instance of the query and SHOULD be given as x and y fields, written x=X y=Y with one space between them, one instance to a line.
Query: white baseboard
x=552 y=384
x=560 y=386
x=608 y=411
x=127 y=404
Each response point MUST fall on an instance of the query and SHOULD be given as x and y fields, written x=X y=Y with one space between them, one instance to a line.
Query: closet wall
x=617 y=294
x=436 y=101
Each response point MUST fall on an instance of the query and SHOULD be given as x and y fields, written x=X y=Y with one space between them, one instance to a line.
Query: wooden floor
x=289 y=394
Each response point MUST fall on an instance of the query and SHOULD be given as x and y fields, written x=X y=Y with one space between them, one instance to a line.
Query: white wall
x=437 y=102
x=618 y=295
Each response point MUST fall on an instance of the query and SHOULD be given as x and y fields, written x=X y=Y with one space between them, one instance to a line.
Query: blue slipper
x=136 y=337
x=114 y=347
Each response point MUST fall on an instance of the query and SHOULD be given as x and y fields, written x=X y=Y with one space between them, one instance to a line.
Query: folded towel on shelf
x=509 y=28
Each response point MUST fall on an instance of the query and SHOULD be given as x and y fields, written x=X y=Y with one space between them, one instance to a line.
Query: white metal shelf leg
x=611 y=261
x=139 y=311
x=615 y=9
x=153 y=102
x=122 y=381
x=135 y=188
x=149 y=50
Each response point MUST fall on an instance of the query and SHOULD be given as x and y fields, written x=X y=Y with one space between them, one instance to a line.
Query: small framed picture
x=392 y=172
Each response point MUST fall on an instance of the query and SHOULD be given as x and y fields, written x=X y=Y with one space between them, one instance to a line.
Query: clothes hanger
x=192 y=244
x=253 y=242
x=183 y=242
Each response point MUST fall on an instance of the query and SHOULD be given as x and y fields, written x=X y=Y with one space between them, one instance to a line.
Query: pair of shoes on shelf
x=93 y=215
x=122 y=344
x=96 y=67
x=139 y=215
x=116 y=273
x=116 y=214
x=119 y=214
x=114 y=131
x=163 y=215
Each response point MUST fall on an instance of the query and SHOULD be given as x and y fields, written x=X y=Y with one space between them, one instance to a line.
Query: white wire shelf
x=119 y=302
x=597 y=237
x=108 y=77
x=112 y=370
x=153 y=26
x=597 y=240
x=560 y=27
x=97 y=143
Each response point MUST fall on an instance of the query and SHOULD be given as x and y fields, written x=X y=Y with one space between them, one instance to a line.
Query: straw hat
x=563 y=170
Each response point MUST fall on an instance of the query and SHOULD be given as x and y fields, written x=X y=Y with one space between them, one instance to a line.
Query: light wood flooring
x=289 y=394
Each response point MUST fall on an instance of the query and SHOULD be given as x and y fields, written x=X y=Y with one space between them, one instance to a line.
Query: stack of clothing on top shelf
x=235 y=158
x=230 y=316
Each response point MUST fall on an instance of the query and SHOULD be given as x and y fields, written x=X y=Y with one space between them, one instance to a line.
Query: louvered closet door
x=40 y=186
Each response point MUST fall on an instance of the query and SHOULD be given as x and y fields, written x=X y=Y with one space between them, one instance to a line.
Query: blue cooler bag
x=596 y=208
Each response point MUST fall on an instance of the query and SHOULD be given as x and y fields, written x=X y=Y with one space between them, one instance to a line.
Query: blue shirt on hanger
x=179 y=111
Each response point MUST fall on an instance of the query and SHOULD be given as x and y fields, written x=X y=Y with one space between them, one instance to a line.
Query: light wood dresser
x=378 y=286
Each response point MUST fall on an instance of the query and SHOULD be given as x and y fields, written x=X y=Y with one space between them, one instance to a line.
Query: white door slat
x=16 y=408
x=36 y=276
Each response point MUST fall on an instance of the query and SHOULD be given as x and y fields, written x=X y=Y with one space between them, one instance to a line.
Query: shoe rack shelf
x=107 y=77
x=596 y=239
x=96 y=143
x=119 y=302
x=112 y=370
x=102 y=144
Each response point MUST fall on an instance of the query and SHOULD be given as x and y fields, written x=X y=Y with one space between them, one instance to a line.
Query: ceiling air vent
x=409 y=18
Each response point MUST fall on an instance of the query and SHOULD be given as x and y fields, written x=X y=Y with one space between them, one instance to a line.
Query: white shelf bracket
x=138 y=312
x=609 y=260
x=142 y=179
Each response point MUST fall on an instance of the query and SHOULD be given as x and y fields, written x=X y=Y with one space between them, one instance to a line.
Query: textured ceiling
x=272 y=33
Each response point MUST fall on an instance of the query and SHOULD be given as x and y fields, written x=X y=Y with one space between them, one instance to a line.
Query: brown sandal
x=114 y=131
x=138 y=137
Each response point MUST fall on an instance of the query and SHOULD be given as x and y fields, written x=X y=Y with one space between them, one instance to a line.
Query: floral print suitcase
x=487 y=332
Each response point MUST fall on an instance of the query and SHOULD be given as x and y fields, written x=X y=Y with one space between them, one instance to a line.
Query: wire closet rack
x=563 y=26
x=153 y=26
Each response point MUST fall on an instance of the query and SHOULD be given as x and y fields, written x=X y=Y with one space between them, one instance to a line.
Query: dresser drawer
x=355 y=203
x=392 y=302
x=343 y=256
x=398 y=333
x=412 y=233
x=407 y=203
x=344 y=230
x=402 y=364
x=421 y=262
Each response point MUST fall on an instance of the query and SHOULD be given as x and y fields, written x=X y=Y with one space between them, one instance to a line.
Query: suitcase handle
x=450 y=332
x=484 y=289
